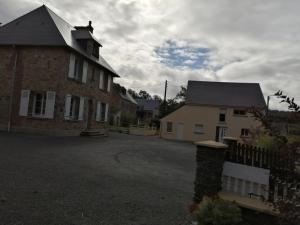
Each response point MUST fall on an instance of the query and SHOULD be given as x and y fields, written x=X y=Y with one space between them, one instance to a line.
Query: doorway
x=220 y=133
x=179 y=131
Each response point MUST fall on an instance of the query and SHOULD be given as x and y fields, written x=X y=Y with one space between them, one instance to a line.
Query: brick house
x=52 y=76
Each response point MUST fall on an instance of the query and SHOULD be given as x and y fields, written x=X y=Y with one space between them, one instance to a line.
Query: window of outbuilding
x=198 y=129
x=222 y=115
x=169 y=127
x=245 y=132
x=239 y=112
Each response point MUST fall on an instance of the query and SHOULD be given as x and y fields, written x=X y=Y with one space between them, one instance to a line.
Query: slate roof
x=225 y=94
x=128 y=97
x=42 y=27
x=148 y=105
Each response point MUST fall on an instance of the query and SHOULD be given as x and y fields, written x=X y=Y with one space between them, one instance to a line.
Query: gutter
x=12 y=90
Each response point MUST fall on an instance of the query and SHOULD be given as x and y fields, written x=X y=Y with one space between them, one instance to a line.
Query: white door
x=220 y=133
x=179 y=131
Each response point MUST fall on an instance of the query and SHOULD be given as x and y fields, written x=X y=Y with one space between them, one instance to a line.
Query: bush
x=218 y=212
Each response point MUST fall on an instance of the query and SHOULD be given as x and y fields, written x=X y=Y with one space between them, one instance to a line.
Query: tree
x=144 y=95
x=133 y=93
x=289 y=208
x=157 y=98
x=181 y=95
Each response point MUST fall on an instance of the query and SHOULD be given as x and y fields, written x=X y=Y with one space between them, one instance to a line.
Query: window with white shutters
x=74 y=107
x=78 y=68
x=38 y=104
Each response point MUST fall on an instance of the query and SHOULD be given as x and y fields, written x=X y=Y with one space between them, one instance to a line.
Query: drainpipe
x=12 y=90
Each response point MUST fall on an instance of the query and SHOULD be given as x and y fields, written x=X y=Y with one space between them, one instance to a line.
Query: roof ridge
x=47 y=10
x=51 y=11
x=222 y=82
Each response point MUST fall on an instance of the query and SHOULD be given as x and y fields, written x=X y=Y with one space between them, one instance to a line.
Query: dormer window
x=96 y=50
x=87 y=41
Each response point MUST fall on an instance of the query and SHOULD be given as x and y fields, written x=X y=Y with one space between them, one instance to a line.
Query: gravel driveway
x=117 y=180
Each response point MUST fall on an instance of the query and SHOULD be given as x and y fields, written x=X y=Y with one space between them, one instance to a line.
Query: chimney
x=88 y=27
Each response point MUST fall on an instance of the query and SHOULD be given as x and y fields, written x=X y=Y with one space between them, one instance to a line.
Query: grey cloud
x=249 y=40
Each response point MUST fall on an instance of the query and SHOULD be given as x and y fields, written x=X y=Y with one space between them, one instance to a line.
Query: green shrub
x=218 y=212
x=266 y=142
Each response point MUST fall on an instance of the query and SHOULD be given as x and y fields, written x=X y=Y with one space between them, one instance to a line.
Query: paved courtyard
x=118 y=180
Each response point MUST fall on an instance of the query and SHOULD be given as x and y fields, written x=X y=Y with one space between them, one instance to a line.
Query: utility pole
x=164 y=105
x=166 y=86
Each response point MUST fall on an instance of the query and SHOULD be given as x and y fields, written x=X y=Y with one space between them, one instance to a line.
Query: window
x=169 y=127
x=75 y=67
x=198 y=129
x=93 y=74
x=103 y=111
x=105 y=81
x=222 y=115
x=239 y=112
x=74 y=107
x=39 y=104
x=245 y=132
x=96 y=50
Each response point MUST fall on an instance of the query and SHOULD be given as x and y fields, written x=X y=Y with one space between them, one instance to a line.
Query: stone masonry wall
x=46 y=69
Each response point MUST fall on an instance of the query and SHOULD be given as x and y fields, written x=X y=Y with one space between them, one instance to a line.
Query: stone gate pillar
x=209 y=158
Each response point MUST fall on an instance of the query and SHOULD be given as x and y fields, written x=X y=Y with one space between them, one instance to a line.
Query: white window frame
x=198 y=129
x=43 y=104
x=243 y=133
x=171 y=130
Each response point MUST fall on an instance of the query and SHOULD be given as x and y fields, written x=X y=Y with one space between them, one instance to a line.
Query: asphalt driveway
x=118 y=180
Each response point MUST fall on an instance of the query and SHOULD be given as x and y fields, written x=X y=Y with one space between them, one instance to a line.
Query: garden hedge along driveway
x=118 y=180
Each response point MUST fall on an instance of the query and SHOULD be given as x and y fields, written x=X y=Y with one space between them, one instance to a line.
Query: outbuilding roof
x=148 y=104
x=225 y=94
x=42 y=27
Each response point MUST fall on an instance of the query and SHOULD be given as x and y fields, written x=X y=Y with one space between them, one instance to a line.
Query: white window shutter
x=25 y=95
x=106 y=112
x=84 y=71
x=68 y=99
x=50 y=103
x=98 y=111
x=81 y=109
x=101 y=79
x=109 y=78
x=71 y=66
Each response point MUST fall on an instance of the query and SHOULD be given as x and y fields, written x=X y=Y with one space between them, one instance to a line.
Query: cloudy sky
x=150 y=41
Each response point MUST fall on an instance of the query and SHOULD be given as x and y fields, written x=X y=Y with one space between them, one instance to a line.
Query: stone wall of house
x=7 y=56
x=46 y=69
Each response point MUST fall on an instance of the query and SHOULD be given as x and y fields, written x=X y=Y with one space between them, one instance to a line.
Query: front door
x=220 y=133
x=179 y=131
